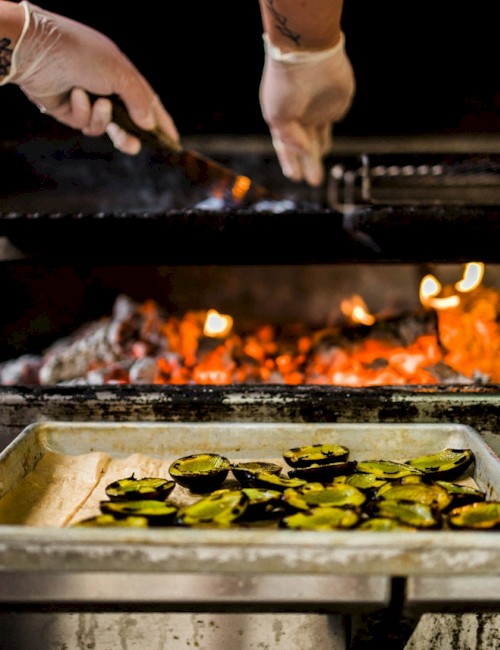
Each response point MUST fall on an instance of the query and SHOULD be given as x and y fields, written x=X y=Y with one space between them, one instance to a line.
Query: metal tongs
x=232 y=188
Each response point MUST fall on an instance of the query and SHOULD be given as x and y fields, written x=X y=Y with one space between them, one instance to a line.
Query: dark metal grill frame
x=314 y=235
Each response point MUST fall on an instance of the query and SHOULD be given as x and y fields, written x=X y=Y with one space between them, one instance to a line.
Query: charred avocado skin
x=461 y=495
x=482 y=515
x=448 y=464
x=246 y=472
x=384 y=524
x=200 y=473
x=321 y=518
x=323 y=472
x=277 y=481
x=418 y=515
x=128 y=489
x=318 y=453
x=387 y=469
x=431 y=495
x=314 y=495
x=98 y=521
x=262 y=503
x=218 y=509
x=157 y=513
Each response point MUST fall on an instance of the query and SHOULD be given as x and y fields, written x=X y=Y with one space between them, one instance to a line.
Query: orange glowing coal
x=463 y=338
x=453 y=338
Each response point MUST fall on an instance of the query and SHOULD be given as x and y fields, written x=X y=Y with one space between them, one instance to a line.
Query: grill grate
x=415 y=179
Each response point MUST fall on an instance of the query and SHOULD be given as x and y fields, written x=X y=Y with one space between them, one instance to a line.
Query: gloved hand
x=302 y=94
x=56 y=61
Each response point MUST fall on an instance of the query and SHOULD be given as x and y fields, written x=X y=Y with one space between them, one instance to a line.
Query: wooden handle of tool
x=154 y=137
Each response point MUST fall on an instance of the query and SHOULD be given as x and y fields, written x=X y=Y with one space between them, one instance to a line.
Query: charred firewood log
x=103 y=343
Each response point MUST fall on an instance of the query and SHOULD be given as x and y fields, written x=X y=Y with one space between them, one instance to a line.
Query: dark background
x=422 y=67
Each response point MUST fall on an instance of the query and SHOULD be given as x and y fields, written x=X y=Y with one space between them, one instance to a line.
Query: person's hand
x=302 y=94
x=58 y=61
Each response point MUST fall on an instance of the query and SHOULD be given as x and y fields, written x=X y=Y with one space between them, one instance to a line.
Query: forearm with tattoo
x=282 y=23
x=5 y=56
x=306 y=25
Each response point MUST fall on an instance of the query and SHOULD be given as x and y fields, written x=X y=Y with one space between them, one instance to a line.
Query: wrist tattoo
x=5 y=56
x=282 y=23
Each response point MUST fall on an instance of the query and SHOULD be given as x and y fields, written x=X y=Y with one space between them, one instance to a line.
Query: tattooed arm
x=57 y=61
x=307 y=83
x=11 y=26
x=310 y=25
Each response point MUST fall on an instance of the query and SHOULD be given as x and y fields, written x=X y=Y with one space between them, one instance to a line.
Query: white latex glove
x=56 y=61
x=302 y=94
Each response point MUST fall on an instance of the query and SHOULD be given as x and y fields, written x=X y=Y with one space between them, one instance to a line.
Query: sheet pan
x=260 y=561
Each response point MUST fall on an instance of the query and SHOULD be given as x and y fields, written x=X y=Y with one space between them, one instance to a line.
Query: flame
x=445 y=303
x=456 y=337
x=217 y=325
x=471 y=335
x=472 y=277
x=240 y=187
x=355 y=308
x=430 y=287
x=465 y=338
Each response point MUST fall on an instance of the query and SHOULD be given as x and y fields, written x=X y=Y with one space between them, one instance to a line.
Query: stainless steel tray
x=345 y=568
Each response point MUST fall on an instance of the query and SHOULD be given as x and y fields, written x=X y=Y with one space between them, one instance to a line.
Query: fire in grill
x=453 y=338
x=450 y=337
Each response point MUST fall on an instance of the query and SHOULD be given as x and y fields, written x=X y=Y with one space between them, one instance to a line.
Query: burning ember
x=453 y=338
